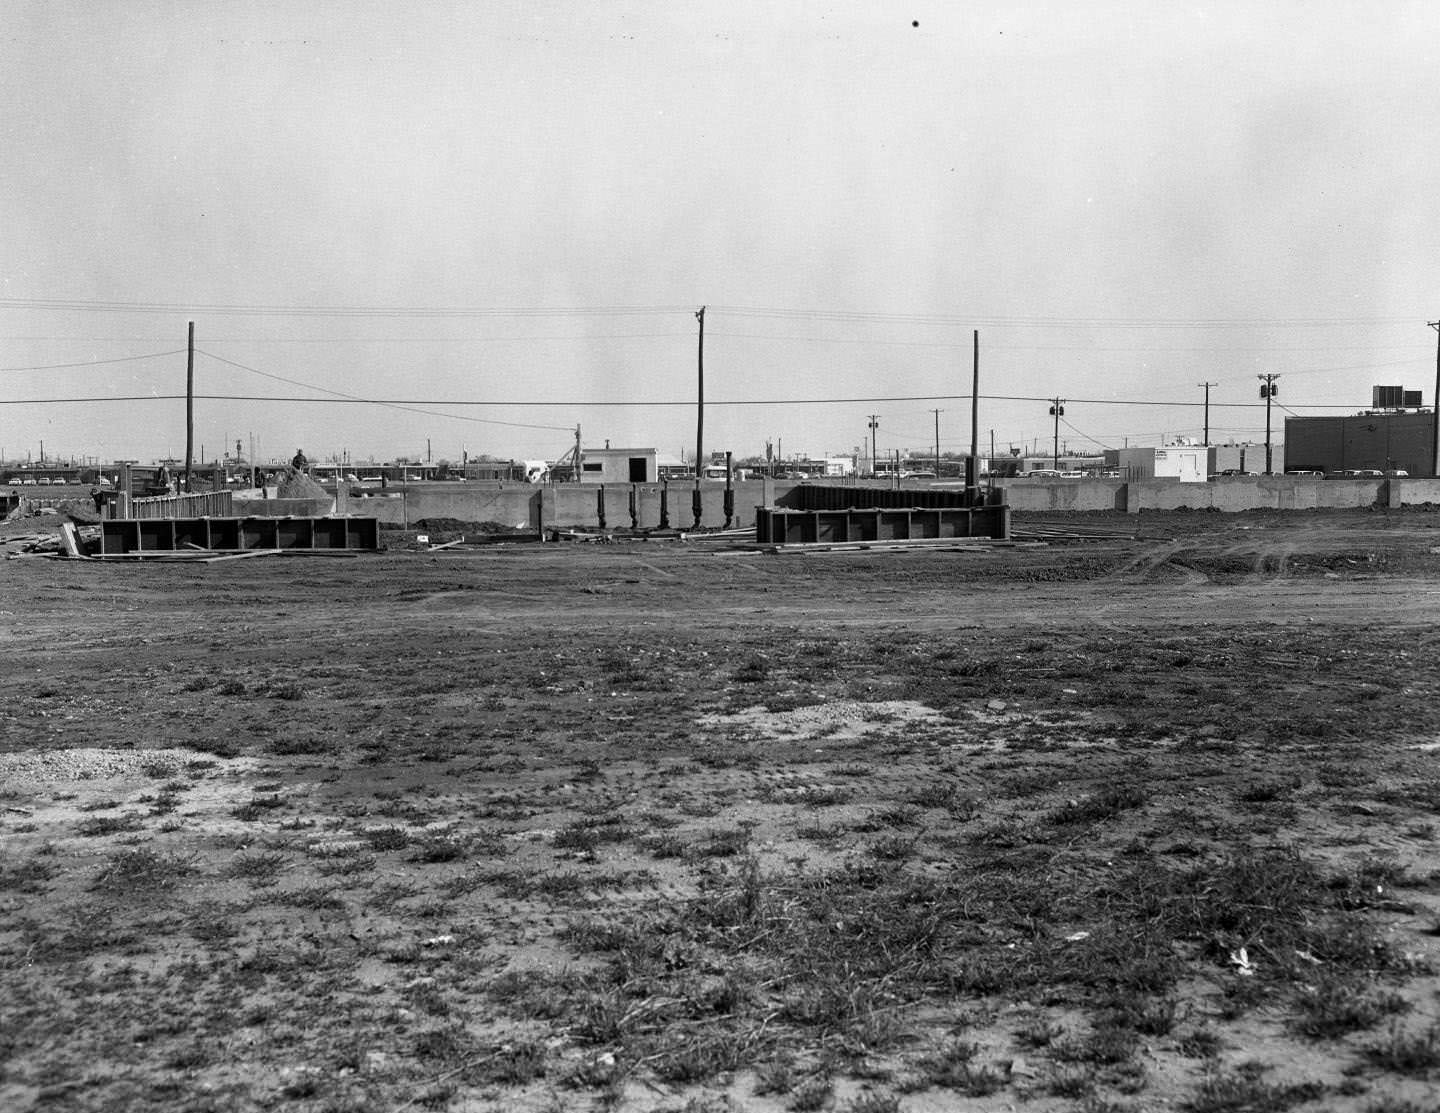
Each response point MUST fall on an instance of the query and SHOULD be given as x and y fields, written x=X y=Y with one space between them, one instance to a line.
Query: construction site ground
x=1143 y=817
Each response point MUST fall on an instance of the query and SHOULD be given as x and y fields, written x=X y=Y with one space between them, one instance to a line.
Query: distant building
x=1243 y=459
x=619 y=465
x=1187 y=463
x=1366 y=441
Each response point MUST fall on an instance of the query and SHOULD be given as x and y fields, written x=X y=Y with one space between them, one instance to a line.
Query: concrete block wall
x=531 y=507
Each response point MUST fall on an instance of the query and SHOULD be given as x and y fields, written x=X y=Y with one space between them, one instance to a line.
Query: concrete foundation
x=527 y=507
x=158 y=535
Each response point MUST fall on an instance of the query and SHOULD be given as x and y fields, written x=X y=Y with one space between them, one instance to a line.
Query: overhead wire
x=753 y=311
x=408 y=407
x=596 y=403
x=92 y=362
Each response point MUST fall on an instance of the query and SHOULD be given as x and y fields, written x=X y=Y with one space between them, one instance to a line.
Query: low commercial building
x=1385 y=442
x=619 y=465
x=1187 y=463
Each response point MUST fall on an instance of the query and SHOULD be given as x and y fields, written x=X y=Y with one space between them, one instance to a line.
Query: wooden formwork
x=777 y=526
x=138 y=535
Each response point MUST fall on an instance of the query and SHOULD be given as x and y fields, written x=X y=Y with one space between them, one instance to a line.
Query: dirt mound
x=297 y=485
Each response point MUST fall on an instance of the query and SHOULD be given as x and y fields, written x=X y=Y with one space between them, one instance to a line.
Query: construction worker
x=299 y=463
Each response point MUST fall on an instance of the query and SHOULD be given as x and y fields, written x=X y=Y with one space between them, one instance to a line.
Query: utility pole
x=1207 y=387
x=1435 y=408
x=1057 y=411
x=874 y=424
x=972 y=477
x=1268 y=390
x=700 y=408
x=937 y=443
x=189 y=404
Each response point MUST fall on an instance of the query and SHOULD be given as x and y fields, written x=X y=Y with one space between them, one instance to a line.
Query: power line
x=408 y=407
x=94 y=362
x=1086 y=348
x=1065 y=422
x=1067 y=322
x=582 y=404
x=774 y=312
x=261 y=310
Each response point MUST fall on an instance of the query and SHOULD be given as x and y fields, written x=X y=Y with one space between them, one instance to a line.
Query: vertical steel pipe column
x=729 y=493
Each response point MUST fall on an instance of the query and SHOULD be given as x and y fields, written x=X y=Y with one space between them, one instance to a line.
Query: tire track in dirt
x=1158 y=564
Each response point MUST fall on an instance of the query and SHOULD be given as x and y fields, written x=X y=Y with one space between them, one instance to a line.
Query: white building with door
x=619 y=465
x=1187 y=463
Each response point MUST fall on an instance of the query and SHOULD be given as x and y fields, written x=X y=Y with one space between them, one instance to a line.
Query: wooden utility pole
x=1207 y=387
x=972 y=480
x=700 y=409
x=937 y=443
x=189 y=404
x=1435 y=407
x=1268 y=390
x=1057 y=411
x=874 y=424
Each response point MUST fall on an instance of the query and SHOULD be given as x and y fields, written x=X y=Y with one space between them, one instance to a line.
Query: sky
x=434 y=229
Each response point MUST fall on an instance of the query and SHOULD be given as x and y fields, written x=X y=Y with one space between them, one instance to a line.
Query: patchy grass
x=516 y=868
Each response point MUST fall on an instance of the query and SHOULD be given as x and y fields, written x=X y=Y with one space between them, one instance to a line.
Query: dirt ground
x=1141 y=821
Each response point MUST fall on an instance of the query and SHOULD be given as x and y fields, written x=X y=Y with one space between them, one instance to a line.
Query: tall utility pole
x=1207 y=387
x=1057 y=411
x=189 y=404
x=937 y=442
x=972 y=477
x=700 y=409
x=874 y=424
x=1268 y=390
x=1435 y=408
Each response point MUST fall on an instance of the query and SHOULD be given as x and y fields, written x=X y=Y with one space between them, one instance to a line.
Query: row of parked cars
x=1316 y=473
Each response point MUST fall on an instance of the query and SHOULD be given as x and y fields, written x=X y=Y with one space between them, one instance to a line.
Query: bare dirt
x=1139 y=822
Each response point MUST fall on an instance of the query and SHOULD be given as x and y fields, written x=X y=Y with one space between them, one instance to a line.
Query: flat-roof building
x=1366 y=441
x=619 y=465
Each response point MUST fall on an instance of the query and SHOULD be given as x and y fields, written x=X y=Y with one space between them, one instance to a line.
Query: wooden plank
x=244 y=554
x=70 y=541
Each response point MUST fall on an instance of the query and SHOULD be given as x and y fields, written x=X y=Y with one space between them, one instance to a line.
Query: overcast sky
x=506 y=214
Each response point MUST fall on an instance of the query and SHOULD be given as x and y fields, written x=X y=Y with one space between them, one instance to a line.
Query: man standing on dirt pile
x=299 y=463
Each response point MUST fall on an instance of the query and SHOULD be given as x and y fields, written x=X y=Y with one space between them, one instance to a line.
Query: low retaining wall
x=523 y=506
x=1230 y=493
